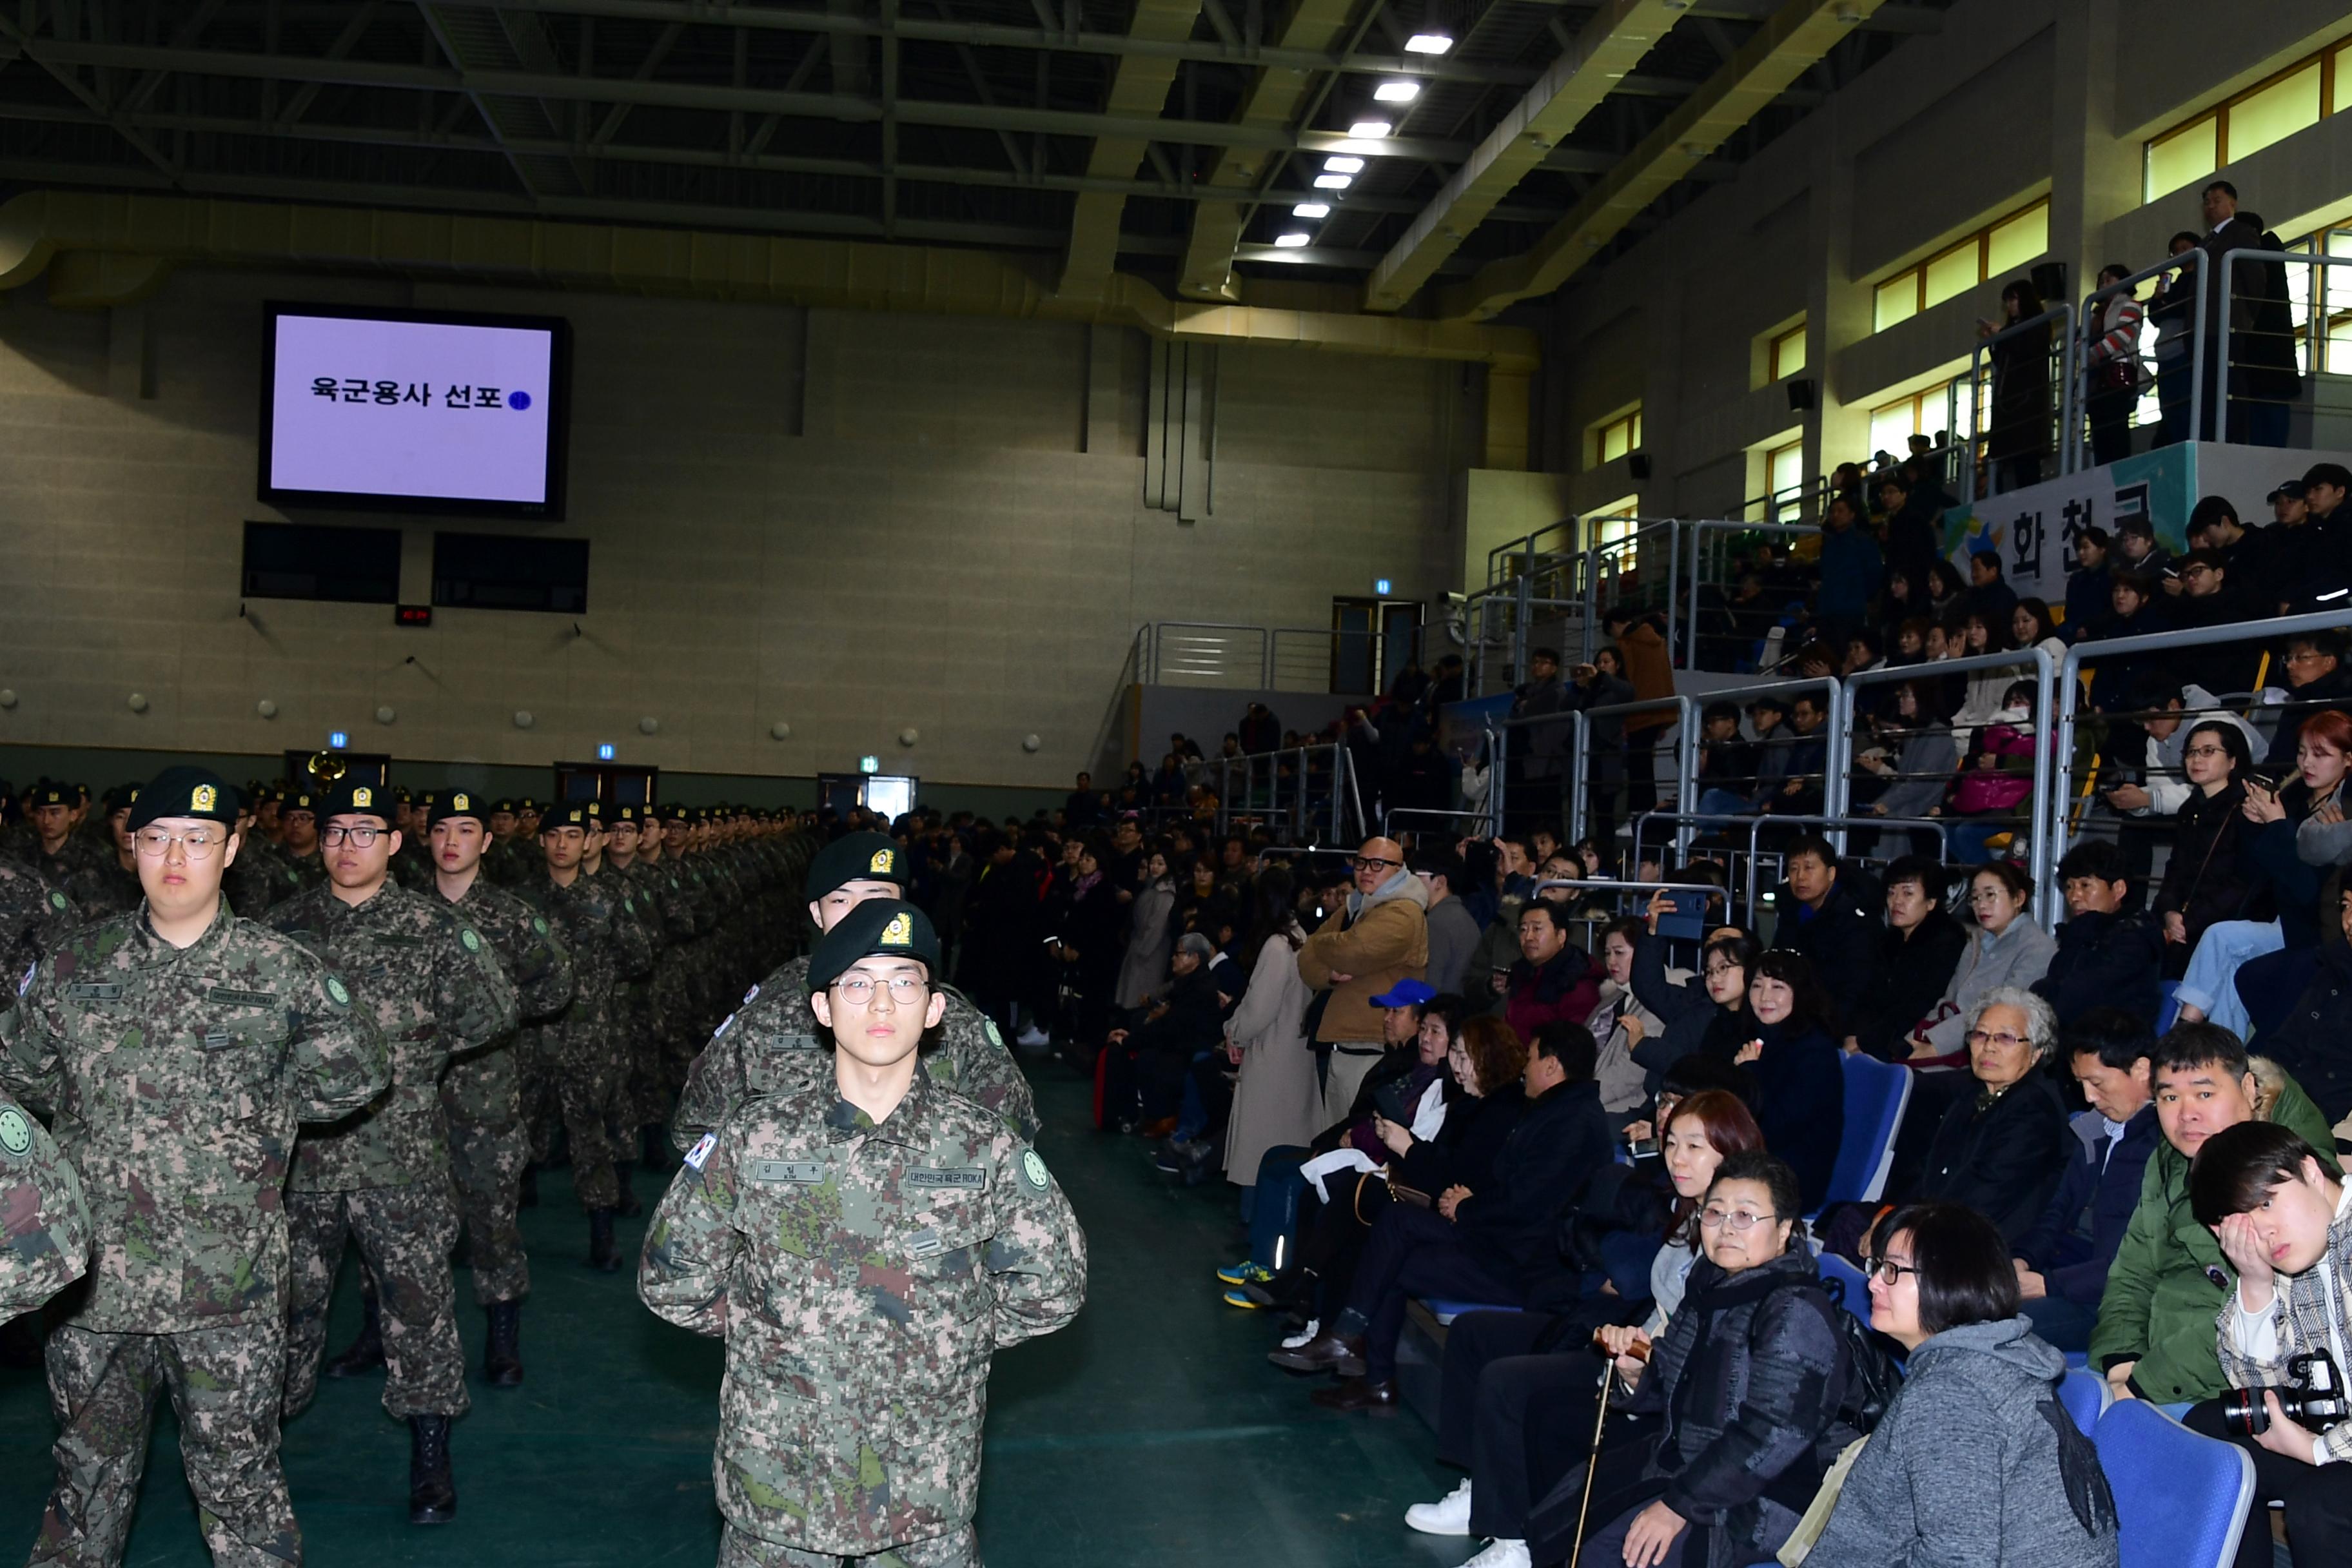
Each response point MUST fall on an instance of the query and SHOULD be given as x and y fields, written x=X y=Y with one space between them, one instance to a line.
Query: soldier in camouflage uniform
x=754 y=1049
x=382 y=1178
x=175 y=1050
x=260 y=875
x=297 y=838
x=44 y=1224
x=864 y=1241
x=685 y=915
x=668 y=921
x=572 y=1065
x=61 y=855
x=34 y=917
x=412 y=867
x=108 y=883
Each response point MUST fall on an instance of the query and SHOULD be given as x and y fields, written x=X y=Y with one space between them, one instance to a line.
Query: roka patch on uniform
x=336 y=994
x=1033 y=1169
x=972 y=1178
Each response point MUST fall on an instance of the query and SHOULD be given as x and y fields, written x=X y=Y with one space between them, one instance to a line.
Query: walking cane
x=1640 y=1353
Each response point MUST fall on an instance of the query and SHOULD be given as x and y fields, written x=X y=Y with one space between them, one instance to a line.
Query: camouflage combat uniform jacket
x=44 y=1224
x=34 y=917
x=745 y=1059
x=433 y=986
x=176 y=1077
x=862 y=1275
x=485 y=1086
x=597 y=919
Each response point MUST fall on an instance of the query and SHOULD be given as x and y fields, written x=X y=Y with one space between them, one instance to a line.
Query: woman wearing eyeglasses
x=2001 y=1149
x=1974 y=1461
x=2209 y=876
x=1747 y=1381
x=2006 y=948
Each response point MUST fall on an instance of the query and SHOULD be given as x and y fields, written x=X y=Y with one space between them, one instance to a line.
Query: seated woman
x=2001 y=1150
x=1483 y=1062
x=1974 y=1460
x=2209 y=876
x=1793 y=1059
x=1995 y=780
x=1747 y=1377
x=1711 y=1015
x=2297 y=833
x=2006 y=948
x=1619 y=1023
x=1917 y=955
x=1912 y=760
x=1513 y=1416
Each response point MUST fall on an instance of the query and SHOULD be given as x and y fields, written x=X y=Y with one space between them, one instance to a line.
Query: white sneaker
x=1502 y=1555
x=1314 y=1327
x=1449 y=1517
x=1032 y=1037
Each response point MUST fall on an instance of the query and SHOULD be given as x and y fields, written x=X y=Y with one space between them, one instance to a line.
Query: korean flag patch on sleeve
x=701 y=1150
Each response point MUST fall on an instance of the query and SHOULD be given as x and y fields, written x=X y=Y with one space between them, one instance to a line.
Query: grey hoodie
x=1974 y=1463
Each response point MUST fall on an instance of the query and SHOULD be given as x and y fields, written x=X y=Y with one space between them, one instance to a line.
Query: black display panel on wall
x=310 y=561
x=510 y=572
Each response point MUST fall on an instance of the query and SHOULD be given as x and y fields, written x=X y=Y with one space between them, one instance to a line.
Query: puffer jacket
x=1975 y=1462
x=1748 y=1378
x=1376 y=939
x=2004 y=1158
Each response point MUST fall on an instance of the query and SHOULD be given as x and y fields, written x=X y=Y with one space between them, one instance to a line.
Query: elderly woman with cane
x=1748 y=1381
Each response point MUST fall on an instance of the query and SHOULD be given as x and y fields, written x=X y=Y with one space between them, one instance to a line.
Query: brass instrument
x=326 y=768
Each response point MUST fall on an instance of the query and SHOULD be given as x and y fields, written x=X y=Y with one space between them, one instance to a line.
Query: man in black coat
x=1500 y=1246
x=2106 y=956
x=2315 y=679
x=1181 y=1022
x=1918 y=949
x=2315 y=1041
x=1831 y=914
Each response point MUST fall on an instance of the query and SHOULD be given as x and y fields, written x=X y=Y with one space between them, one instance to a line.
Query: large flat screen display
x=414 y=411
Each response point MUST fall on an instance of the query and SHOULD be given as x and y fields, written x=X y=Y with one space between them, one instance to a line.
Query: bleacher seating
x=2182 y=1498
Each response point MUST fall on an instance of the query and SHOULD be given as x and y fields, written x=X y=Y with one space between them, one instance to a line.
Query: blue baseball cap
x=1406 y=994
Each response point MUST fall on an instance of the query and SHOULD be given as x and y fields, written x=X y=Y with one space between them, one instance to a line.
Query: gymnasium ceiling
x=1171 y=140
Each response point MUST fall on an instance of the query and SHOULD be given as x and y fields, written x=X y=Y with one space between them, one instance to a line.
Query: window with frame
x=1611 y=522
x=1614 y=439
x=1784 y=477
x=1784 y=356
x=1946 y=406
x=2273 y=109
x=2004 y=245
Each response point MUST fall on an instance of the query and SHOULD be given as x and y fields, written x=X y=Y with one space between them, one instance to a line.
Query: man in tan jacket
x=1379 y=938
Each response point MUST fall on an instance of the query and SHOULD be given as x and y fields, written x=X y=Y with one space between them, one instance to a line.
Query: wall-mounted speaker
x=1638 y=465
x=2050 y=281
x=1801 y=395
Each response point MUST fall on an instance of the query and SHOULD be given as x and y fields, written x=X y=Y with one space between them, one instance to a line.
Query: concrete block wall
x=852 y=524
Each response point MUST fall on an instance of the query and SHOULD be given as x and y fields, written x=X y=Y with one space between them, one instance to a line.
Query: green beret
x=625 y=813
x=357 y=797
x=855 y=858
x=876 y=926
x=44 y=792
x=185 y=792
x=576 y=813
x=296 y=800
x=457 y=802
x=120 y=798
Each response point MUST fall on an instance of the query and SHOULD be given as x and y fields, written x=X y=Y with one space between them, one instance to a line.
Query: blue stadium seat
x=1876 y=1093
x=1446 y=1312
x=2085 y=1395
x=2182 y=1498
x=1847 y=1285
x=2167 y=1006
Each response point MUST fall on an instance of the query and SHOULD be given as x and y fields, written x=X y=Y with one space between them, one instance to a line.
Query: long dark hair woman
x=1709 y=1016
x=1793 y=1058
x=2017 y=430
x=2209 y=876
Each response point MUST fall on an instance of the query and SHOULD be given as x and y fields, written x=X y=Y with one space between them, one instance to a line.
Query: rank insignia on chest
x=798 y=1173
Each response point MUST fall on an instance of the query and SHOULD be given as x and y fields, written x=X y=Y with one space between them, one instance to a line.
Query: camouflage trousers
x=405 y=1234
x=224 y=1386
x=573 y=1075
x=486 y=1176
x=959 y=1549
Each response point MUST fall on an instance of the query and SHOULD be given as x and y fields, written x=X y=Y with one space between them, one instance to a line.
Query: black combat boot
x=528 y=1197
x=631 y=1207
x=502 y=1356
x=432 y=1494
x=603 y=1255
x=366 y=1352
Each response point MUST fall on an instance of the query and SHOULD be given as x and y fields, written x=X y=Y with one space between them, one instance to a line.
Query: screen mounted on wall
x=413 y=410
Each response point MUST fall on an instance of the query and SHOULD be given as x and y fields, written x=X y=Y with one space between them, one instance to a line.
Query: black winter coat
x=1562 y=1140
x=2003 y=1159
x=1749 y=1377
x=2105 y=961
x=1800 y=1103
x=1465 y=1150
x=2211 y=875
x=1915 y=968
x=1843 y=937
x=2315 y=1042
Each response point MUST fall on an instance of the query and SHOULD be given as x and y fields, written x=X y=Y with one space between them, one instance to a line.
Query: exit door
x=1372 y=640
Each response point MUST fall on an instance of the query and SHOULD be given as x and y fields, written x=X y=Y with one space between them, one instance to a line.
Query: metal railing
x=2238 y=350
x=2054 y=832
x=1315 y=796
x=2187 y=399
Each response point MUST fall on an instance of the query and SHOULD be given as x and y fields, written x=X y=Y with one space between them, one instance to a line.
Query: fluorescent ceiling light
x=1333 y=181
x=1397 y=92
x=1428 y=44
x=1343 y=165
x=1291 y=241
x=1311 y=209
x=1370 y=129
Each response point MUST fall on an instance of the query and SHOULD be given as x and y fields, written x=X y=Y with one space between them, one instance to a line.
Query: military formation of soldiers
x=441 y=991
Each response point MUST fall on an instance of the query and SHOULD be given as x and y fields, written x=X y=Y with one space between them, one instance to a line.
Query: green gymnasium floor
x=1151 y=1431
